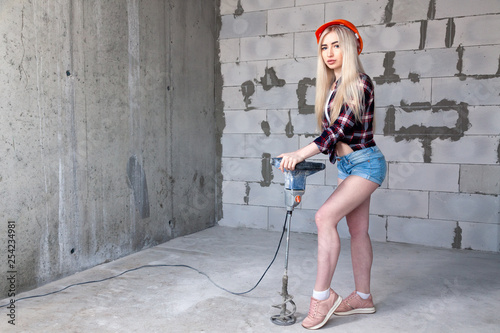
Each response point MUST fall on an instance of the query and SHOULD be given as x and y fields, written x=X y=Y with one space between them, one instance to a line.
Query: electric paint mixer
x=295 y=187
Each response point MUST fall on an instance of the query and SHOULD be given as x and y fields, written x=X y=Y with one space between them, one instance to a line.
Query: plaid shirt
x=357 y=135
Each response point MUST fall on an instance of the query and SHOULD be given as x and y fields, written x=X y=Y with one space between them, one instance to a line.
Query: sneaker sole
x=328 y=315
x=356 y=311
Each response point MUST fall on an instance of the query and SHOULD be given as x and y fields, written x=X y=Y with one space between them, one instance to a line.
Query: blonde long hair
x=350 y=91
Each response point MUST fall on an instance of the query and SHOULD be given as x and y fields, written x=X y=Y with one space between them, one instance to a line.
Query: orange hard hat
x=346 y=24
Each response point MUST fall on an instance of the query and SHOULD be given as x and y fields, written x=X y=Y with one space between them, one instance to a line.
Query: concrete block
x=315 y=196
x=398 y=37
x=243 y=216
x=304 y=123
x=421 y=231
x=409 y=11
x=244 y=121
x=245 y=25
x=294 y=19
x=302 y=220
x=424 y=118
x=264 y=5
x=331 y=173
x=233 y=145
x=378 y=124
x=467 y=150
x=402 y=151
x=471 y=30
x=235 y=74
x=278 y=120
x=275 y=98
x=373 y=64
x=456 y=8
x=425 y=177
x=400 y=203
x=480 y=60
x=268 y=196
x=405 y=91
x=426 y=63
x=234 y=192
x=484 y=120
x=483 y=179
x=305 y=45
x=360 y=13
x=228 y=6
x=471 y=91
x=378 y=228
x=267 y=47
x=436 y=36
x=242 y=169
x=233 y=98
x=464 y=207
x=229 y=50
x=275 y=145
x=294 y=70
x=480 y=236
x=317 y=178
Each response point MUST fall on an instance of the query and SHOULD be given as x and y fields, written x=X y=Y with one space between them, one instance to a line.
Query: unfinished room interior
x=140 y=187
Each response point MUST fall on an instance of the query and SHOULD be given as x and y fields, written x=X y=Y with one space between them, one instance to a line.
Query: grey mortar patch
x=498 y=153
x=302 y=88
x=414 y=77
x=450 y=33
x=247 y=193
x=389 y=75
x=266 y=171
x=460 y=62
x=289 y=126
x=388 y=11
x=247 y=90
x=265 y=128
x=457 y=238
x=431 y=13
x=426 y=134
x=270 y=79
x=423 y=34
x=239 y=9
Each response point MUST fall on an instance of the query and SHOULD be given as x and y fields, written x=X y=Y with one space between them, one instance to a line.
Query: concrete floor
x=416 y=289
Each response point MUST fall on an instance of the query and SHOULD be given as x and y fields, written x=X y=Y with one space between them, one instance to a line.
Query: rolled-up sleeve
x=336 y=132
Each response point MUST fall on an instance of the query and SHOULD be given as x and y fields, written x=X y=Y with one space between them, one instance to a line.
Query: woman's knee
x=325 y=220
x=358 y=230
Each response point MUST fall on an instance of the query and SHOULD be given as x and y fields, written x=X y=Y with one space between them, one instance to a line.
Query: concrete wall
x=435 y=64
x=108 y=129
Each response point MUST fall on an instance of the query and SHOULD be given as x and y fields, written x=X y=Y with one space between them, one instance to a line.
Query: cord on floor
x=162 y=265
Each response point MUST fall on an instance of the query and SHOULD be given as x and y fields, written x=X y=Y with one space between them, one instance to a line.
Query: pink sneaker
x=354 y=304
x=321 y=311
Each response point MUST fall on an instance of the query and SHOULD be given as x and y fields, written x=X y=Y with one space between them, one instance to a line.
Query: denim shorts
x=368 y=163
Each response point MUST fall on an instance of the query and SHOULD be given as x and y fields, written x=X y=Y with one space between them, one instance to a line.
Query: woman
x=345 y=112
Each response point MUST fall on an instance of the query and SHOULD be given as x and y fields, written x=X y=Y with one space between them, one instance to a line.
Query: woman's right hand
x=290 y=160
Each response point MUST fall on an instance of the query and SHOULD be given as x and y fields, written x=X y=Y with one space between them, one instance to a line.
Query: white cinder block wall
x=436 y=67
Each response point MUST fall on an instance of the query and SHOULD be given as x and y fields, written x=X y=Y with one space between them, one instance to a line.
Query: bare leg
x=350 y=194
x=361 y=246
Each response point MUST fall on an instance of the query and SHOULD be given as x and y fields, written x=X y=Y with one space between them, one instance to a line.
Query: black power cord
x=162 y=265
